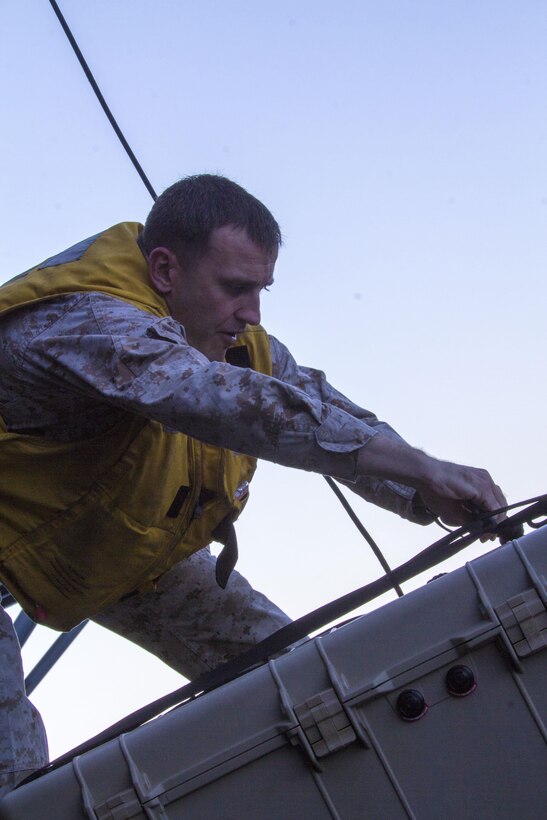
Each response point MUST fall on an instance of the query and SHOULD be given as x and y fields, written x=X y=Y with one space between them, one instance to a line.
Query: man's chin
x=216 y=349
x=217 y=354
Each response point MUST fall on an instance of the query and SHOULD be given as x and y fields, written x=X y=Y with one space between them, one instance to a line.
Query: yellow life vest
x=84 y=523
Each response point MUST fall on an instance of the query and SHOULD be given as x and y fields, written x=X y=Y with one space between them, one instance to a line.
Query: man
x=138 y=389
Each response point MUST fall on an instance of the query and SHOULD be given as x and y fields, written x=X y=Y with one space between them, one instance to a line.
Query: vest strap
x=225 y=534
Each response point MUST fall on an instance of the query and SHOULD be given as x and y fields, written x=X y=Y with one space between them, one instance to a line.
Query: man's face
x=216 y=297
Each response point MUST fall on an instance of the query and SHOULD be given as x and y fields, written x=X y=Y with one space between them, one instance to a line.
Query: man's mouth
x=231 y=335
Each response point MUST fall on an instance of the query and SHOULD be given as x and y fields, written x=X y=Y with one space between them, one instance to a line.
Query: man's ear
x=162 y=267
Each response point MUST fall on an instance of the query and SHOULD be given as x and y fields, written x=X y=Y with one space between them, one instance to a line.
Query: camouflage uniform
x=23 y=744
x=72 y=365
x=190 y=622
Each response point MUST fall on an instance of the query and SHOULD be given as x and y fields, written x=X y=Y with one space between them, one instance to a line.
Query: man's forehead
x=232 y=240
x=261 y=275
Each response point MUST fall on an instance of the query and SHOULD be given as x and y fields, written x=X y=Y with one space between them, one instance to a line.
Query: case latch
x=123 y=805
x=325 y=723
x=524 y=618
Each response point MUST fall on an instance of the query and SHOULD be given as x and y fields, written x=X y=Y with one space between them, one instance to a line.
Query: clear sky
x=402 y=146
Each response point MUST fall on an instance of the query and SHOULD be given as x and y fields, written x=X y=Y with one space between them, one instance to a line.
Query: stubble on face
x=218 y=295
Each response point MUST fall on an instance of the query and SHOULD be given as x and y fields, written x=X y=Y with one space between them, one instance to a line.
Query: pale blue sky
x=402 y=146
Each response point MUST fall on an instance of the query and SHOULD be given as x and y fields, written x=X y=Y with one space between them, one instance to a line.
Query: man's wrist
x=387 y=458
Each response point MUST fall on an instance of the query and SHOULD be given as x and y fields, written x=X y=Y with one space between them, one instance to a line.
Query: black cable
x=392 y=576
x=102 y=100
x=364 y=532
x=151 y=191
x=376 y=550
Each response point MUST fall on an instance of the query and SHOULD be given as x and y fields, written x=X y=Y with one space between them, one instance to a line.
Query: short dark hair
x=186 y=213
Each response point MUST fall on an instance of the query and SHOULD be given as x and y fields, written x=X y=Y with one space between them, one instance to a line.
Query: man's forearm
x=446 y=488
x=388 y=458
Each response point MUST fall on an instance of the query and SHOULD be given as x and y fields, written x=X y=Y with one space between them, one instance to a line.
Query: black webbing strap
x=225 y=534
x=445 y=548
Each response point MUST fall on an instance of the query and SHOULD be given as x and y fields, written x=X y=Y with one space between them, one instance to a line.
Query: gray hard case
x=433 y=706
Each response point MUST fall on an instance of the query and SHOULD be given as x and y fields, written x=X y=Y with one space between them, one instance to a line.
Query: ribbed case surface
x=433 y=706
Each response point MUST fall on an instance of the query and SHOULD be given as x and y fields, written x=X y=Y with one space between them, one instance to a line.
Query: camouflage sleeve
x=391 y=495
x=91 y=354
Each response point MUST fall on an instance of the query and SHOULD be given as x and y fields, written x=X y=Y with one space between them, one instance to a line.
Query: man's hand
x=450 y=491
x=457 y=513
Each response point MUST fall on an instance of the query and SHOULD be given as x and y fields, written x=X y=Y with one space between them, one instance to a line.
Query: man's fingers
x=488 y=497
x=500 y=497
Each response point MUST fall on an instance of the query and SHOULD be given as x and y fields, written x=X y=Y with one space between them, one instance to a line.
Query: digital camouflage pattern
x=71 y=367
x=23 y=744
x=190 y=622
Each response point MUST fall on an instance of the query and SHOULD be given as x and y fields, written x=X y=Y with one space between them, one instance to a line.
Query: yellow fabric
x=85 y=523
x=112 y=264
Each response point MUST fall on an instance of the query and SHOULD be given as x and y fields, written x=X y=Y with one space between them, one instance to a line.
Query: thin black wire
x=345 y=503
x=63 y=642
x=364 y=532
x=102 y=100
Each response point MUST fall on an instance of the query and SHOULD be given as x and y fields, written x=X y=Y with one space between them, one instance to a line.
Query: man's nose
x=248 y=310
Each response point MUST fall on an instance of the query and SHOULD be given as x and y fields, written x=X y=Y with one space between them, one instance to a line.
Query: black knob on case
x=460 y=681
x=411 y=704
